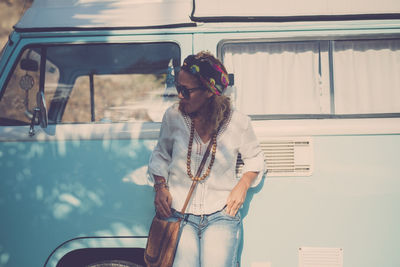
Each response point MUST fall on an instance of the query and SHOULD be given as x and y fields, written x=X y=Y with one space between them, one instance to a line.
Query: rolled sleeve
x=160 y=158
x=251 y=153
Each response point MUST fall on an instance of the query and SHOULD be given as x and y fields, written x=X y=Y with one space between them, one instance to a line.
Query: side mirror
x=29 y=64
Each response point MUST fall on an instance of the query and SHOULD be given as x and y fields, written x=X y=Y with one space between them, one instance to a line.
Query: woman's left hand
x=236 y=198
x=239 y=192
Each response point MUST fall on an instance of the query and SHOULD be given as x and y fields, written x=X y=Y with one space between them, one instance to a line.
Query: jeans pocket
x=236 y=217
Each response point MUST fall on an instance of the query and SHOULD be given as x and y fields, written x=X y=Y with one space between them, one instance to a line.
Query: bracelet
x=159 y=181
x=159 y=186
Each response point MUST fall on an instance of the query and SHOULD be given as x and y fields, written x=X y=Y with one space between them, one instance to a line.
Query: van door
x=81 y=182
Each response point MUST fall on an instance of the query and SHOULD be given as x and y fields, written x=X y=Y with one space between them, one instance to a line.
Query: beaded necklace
x=189 y=155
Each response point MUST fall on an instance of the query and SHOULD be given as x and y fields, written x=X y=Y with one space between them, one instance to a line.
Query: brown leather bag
x=163 y=235
x=161 y=243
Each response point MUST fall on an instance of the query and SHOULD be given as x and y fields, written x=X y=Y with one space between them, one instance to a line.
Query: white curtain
x=367 y=76
x=279 y=78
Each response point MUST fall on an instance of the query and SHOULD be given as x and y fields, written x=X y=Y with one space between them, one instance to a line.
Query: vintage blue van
x=83 y=87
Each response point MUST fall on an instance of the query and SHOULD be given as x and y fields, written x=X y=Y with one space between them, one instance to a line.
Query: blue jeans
x=209 y=240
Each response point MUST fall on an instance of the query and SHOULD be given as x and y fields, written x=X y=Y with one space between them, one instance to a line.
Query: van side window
x=100 y=83
x=279 y=78
x=367 y=76
x=319 y=78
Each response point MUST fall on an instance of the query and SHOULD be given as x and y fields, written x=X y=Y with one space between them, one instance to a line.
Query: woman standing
x=211 y=225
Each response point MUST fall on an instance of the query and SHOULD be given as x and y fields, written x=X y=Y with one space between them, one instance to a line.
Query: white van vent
x=286 y=157
x=320 y=257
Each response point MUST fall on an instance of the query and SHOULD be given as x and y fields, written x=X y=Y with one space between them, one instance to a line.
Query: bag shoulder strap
x=193 y=186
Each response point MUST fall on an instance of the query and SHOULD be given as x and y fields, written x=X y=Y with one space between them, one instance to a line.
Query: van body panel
x=353 y=207
x=55 y=191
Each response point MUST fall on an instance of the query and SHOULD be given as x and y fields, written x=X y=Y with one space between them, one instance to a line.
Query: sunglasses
x=185 y=91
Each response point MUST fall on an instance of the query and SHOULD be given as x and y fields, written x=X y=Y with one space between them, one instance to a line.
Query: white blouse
x=169 y=160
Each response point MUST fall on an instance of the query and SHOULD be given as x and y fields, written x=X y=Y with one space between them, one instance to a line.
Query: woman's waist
x=200 y=205
x=205 y=218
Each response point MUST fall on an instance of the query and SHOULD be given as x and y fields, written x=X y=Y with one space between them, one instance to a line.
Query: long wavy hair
x=217 y=109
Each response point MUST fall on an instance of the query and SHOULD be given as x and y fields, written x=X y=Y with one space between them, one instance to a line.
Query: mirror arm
x=36 y=112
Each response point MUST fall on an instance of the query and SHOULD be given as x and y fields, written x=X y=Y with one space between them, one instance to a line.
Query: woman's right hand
x=162 y=202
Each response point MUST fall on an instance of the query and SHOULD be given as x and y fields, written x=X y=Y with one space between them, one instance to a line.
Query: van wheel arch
x=103 y=257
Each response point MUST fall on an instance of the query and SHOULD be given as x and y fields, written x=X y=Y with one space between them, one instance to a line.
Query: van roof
x=89 y=14
x=113 y=14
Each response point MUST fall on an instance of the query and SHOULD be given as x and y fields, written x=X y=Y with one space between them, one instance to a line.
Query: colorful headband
x=209 y=74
